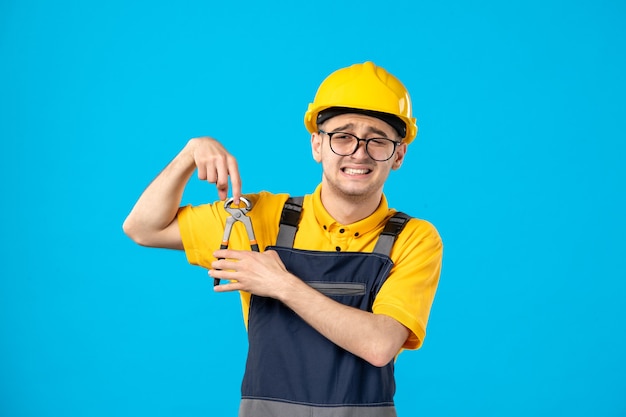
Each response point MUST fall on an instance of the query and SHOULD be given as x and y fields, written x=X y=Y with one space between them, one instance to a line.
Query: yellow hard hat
x=367 y=89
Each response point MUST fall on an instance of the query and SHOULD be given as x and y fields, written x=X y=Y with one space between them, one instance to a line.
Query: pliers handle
x=237 y=214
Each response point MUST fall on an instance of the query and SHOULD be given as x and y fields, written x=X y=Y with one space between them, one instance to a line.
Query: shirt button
x=338 y=249
x=356 y=234
x=342 y=230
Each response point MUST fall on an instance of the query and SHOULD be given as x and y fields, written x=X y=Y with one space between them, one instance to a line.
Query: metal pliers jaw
x=237 y=214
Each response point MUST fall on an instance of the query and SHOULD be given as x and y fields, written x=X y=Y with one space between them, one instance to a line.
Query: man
x=329 y=309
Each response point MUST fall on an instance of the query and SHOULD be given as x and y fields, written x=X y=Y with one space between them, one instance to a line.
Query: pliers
x=237 y=214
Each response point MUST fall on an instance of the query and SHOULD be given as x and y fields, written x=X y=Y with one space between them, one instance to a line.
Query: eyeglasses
x=346 y=144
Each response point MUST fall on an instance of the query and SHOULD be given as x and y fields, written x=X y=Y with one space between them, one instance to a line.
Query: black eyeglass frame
x=358 y=142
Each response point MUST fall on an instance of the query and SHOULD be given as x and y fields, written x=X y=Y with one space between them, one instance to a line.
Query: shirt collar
x=359 y=228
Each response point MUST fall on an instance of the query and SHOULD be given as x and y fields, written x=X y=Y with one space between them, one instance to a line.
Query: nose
x=361 y=150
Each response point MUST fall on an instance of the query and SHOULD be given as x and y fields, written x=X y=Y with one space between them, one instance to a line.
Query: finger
x=222 y=266
x=208 y=169
x=229 y=254
x=202 y=171
x=203 y=164
x=235 y=178
x=231 y=286
x=219 y=273
x=221 y=180
x=226 y=279
x=201 y=174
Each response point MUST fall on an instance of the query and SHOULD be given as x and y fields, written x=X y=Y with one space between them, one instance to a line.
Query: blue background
x=519 y=163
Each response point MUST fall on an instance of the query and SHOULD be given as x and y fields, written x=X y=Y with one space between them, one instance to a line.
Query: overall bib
x=294 y=371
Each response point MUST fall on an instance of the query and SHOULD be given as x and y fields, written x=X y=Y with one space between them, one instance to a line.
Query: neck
x=348 y=209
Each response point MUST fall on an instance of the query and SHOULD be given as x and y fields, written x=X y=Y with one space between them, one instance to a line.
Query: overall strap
x=391 y=231
x=292 y=211
x=289 y=220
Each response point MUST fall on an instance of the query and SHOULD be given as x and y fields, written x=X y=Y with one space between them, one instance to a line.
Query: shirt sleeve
x=201 y=229
x=408 y=293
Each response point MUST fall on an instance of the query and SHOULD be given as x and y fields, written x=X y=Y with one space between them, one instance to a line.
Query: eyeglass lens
x=346 y=144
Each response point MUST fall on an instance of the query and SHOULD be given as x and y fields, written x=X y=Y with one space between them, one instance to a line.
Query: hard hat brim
x=391 y=119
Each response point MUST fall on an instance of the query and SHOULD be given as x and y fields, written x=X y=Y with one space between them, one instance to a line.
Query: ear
x=399 y=156
x=316 y=146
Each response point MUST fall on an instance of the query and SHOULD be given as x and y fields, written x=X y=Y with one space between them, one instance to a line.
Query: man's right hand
x=152 y=221
x=215 y=165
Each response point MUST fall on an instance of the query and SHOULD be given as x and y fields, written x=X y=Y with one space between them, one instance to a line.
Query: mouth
x=356 y=171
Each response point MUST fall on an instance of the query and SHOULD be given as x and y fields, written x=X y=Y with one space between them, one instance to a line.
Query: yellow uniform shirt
x=406 y=295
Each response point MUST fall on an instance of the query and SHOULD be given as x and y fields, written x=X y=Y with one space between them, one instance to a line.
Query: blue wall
x=519 y=163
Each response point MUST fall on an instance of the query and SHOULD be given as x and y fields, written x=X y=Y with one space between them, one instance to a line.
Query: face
x=356 y=177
